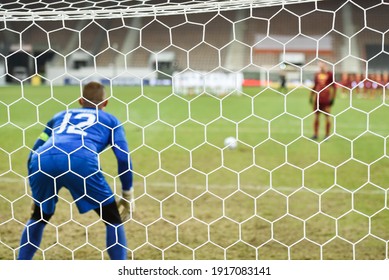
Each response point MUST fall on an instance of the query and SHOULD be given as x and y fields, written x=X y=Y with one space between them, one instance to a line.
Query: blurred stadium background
x=149 y=49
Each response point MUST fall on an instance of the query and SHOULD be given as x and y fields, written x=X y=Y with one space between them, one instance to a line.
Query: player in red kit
x=322 y=98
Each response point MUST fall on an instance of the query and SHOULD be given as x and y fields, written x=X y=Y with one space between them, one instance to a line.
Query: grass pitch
x=279 y=195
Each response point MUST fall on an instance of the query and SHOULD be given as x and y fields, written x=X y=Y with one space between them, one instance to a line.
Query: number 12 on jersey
x=81 y=122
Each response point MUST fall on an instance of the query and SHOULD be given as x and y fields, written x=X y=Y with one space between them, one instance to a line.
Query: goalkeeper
x=66 y=154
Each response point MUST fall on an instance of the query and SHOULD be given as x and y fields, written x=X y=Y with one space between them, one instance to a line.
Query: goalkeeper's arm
x=126 y=203
x=43 y=137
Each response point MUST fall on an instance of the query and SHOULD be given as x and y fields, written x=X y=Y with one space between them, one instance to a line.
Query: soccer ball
x=230 y=142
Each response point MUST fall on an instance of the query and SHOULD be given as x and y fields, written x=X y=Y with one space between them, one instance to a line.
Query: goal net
x=184 y=77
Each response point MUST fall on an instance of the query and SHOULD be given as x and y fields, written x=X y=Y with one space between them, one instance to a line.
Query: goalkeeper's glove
x=126 y=204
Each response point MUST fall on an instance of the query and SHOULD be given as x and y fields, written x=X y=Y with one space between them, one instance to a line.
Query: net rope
x=45 y=10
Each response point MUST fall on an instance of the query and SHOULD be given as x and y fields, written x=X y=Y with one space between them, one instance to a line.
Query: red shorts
x=322 y=106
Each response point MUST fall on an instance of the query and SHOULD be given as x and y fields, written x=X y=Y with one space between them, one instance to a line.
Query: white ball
x=230 y=142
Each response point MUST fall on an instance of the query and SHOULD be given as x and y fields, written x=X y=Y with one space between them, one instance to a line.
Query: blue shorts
x=78 y=172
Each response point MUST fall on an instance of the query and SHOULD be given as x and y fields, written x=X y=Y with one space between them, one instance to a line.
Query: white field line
x=219 y=187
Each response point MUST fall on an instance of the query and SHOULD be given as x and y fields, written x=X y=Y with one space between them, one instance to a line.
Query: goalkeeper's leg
x=32 y=234
x=115 y=236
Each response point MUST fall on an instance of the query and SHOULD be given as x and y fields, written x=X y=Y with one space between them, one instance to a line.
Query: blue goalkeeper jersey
x=87 y=131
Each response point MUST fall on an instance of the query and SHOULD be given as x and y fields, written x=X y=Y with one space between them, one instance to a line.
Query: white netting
x=51 y=10
x=183 y=76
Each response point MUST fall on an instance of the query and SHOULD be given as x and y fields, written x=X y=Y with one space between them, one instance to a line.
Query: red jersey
x=346 y=81
x=324 y=83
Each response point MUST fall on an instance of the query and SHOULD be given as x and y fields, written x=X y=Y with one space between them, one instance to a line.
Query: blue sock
x=116 y=242
x=31 y=239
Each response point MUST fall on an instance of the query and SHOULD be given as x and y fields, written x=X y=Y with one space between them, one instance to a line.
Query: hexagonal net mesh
x=49 y=10
x=257 y=129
